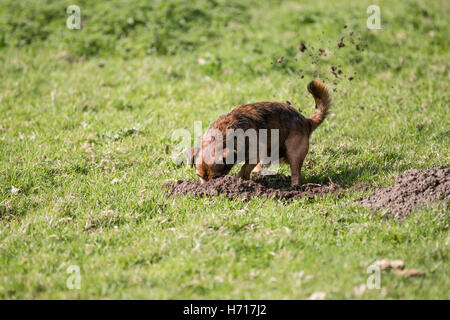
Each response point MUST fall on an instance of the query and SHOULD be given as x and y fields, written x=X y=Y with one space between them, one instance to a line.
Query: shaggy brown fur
x=294 y=132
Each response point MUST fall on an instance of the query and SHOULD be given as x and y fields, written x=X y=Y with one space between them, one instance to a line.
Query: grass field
x=87 y=117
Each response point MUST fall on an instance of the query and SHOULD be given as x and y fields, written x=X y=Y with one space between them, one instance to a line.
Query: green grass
x=81 y=108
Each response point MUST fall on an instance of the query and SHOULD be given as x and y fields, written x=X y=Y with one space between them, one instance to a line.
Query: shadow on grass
x=343 y=176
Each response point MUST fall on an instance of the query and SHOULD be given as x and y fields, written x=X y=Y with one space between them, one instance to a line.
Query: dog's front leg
x=257 y=170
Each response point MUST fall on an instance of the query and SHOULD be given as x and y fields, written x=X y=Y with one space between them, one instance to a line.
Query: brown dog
x=212 y=158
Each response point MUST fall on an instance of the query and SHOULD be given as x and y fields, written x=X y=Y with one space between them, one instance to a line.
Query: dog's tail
x=323 y=102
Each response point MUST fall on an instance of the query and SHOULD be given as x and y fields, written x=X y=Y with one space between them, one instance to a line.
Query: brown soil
x=277 y=186
x=413 y=189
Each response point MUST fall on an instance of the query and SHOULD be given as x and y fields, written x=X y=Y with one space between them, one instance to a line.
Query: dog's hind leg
x=296 y=150
x=246 y=170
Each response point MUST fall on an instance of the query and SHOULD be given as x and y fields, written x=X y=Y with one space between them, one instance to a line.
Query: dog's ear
x=192 y=153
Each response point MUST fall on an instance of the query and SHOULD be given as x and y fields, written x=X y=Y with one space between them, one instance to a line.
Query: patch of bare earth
x=411 y=190
x=277 y=187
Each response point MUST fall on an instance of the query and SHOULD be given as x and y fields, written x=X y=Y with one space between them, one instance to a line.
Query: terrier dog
x=212 y=158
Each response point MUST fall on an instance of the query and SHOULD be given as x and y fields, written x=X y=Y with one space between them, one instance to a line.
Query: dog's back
x=263 y=115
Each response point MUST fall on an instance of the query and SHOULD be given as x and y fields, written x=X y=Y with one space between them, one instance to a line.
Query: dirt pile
x=411 y=190
x=277 y=187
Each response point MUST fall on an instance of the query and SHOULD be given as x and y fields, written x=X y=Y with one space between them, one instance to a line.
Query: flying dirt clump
x=236 y=188
x=411 y=190
x=302 y=47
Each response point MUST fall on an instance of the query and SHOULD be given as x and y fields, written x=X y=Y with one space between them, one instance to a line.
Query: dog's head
x=210 y=160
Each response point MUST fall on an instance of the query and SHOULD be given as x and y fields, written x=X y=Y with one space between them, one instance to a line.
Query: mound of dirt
x=413 y=189
x=277 y=187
